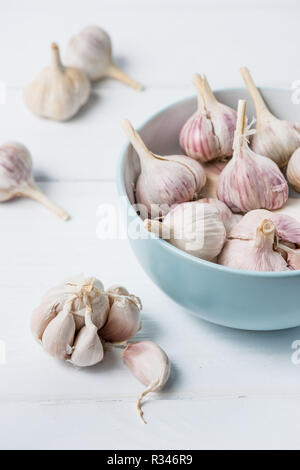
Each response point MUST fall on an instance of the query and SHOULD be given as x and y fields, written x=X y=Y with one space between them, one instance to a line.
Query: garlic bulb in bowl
x=293 y=170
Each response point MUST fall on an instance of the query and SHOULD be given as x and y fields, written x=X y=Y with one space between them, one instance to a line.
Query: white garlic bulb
x=193 y=227
x=164 y=180
x=224 y=212
x=91 y=51
x=293 y=170
x=250 y=181
x=255 y=255
x=58 y=92
x=150 y=365
x=274 y=138
x=16 y=177
x=124 y=319
x=208 y=133
x=64 y=311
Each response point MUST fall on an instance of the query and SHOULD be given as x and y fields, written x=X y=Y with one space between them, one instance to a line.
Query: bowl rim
x=167 y=246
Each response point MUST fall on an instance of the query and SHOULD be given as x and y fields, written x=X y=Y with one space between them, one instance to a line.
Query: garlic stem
x=267 y=227
x=240 y=125
x=55 y=58
x=149 y=389
x=258 y=101
x=154 y=226
x=204 y=90
x=135 y=139
x=113 y=71
x=33 y=192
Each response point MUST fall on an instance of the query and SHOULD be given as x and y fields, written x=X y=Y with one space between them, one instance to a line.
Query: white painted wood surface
x=228 y=389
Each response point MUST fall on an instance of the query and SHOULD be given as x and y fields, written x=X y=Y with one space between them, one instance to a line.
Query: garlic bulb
x=16 y=177
x=274 y=138
x=293 y=170
x=69 y=317
x=150 y=365
x=58 y=92
x=208 y=133
x=254 y=255
x=124 y=318
x=164 y=181
x=193 y=227
x=212 y=170
x=91 y=51
x=250 y=181
x=87 y=349
x=225 y=213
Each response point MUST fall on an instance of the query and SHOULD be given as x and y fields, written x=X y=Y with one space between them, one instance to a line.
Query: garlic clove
x=212 y=170
x=250 y=181
x=224 y=212
x=58 y=337
x=16 y=177
x=293 y=170
x=164 y=180
x=58 y=92
x=91 y=51
x=274 y=138
x=254 y=255
x=208 y=133
x=124 y=318
x=40 y=319
x=149 y=364
x=194 y=228
x=87 y=349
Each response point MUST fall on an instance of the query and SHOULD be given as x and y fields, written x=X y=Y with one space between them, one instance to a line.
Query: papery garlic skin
x=293 y=170
x=208 y=133
x=149 y=364
x=250 y=181
x=193 y=227
x=224 y=212
x=274 y=138
x=91 y=51
x=58 y=336
x=254 y=255
x=164 y=180
x=58 y=92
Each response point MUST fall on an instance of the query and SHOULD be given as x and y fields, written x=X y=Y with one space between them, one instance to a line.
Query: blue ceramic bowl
x=234 y=298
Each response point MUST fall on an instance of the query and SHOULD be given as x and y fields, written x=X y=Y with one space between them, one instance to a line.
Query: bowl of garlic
x=212 y=204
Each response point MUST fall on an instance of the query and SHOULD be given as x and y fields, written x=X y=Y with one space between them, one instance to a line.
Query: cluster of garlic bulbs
x=197 y=202
x=78 y=317
x=61 y=89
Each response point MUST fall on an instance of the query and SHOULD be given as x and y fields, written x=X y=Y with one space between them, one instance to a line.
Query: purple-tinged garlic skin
x=208 y=133
x=254 y=255
x=164 y=181
x=15 y=169
x=149 y=364
x=274 y=138
x=124 y=318
x=293 y=170
x=250 y=181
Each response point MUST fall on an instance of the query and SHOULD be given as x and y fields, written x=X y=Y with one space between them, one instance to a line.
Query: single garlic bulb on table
x=58 y=92
x=150 y=365
x=68 y=319
x=293 y=170
x=16 y=177
x=250 y=181
x=255 y=255
x=124 y=318
x=274 y=138
x=193 y=227
x=208 y=133
x=91 y=51
x=164 y=180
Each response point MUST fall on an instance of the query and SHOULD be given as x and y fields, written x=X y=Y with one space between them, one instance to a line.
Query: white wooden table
x=229 y=389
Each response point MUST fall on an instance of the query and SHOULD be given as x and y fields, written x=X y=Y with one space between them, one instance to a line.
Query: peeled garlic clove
x=225 y=213
x=58 y=337
x=58 y=92
x=208 y=133
x=150 y=365
x=91 y=51
x=293 y=170
x=16 y=177
x=87 y=349
x=250 y=181
x=164 y=181
x=274 y=138
x=192 y=227
x=124 y=318
x=254 y=255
